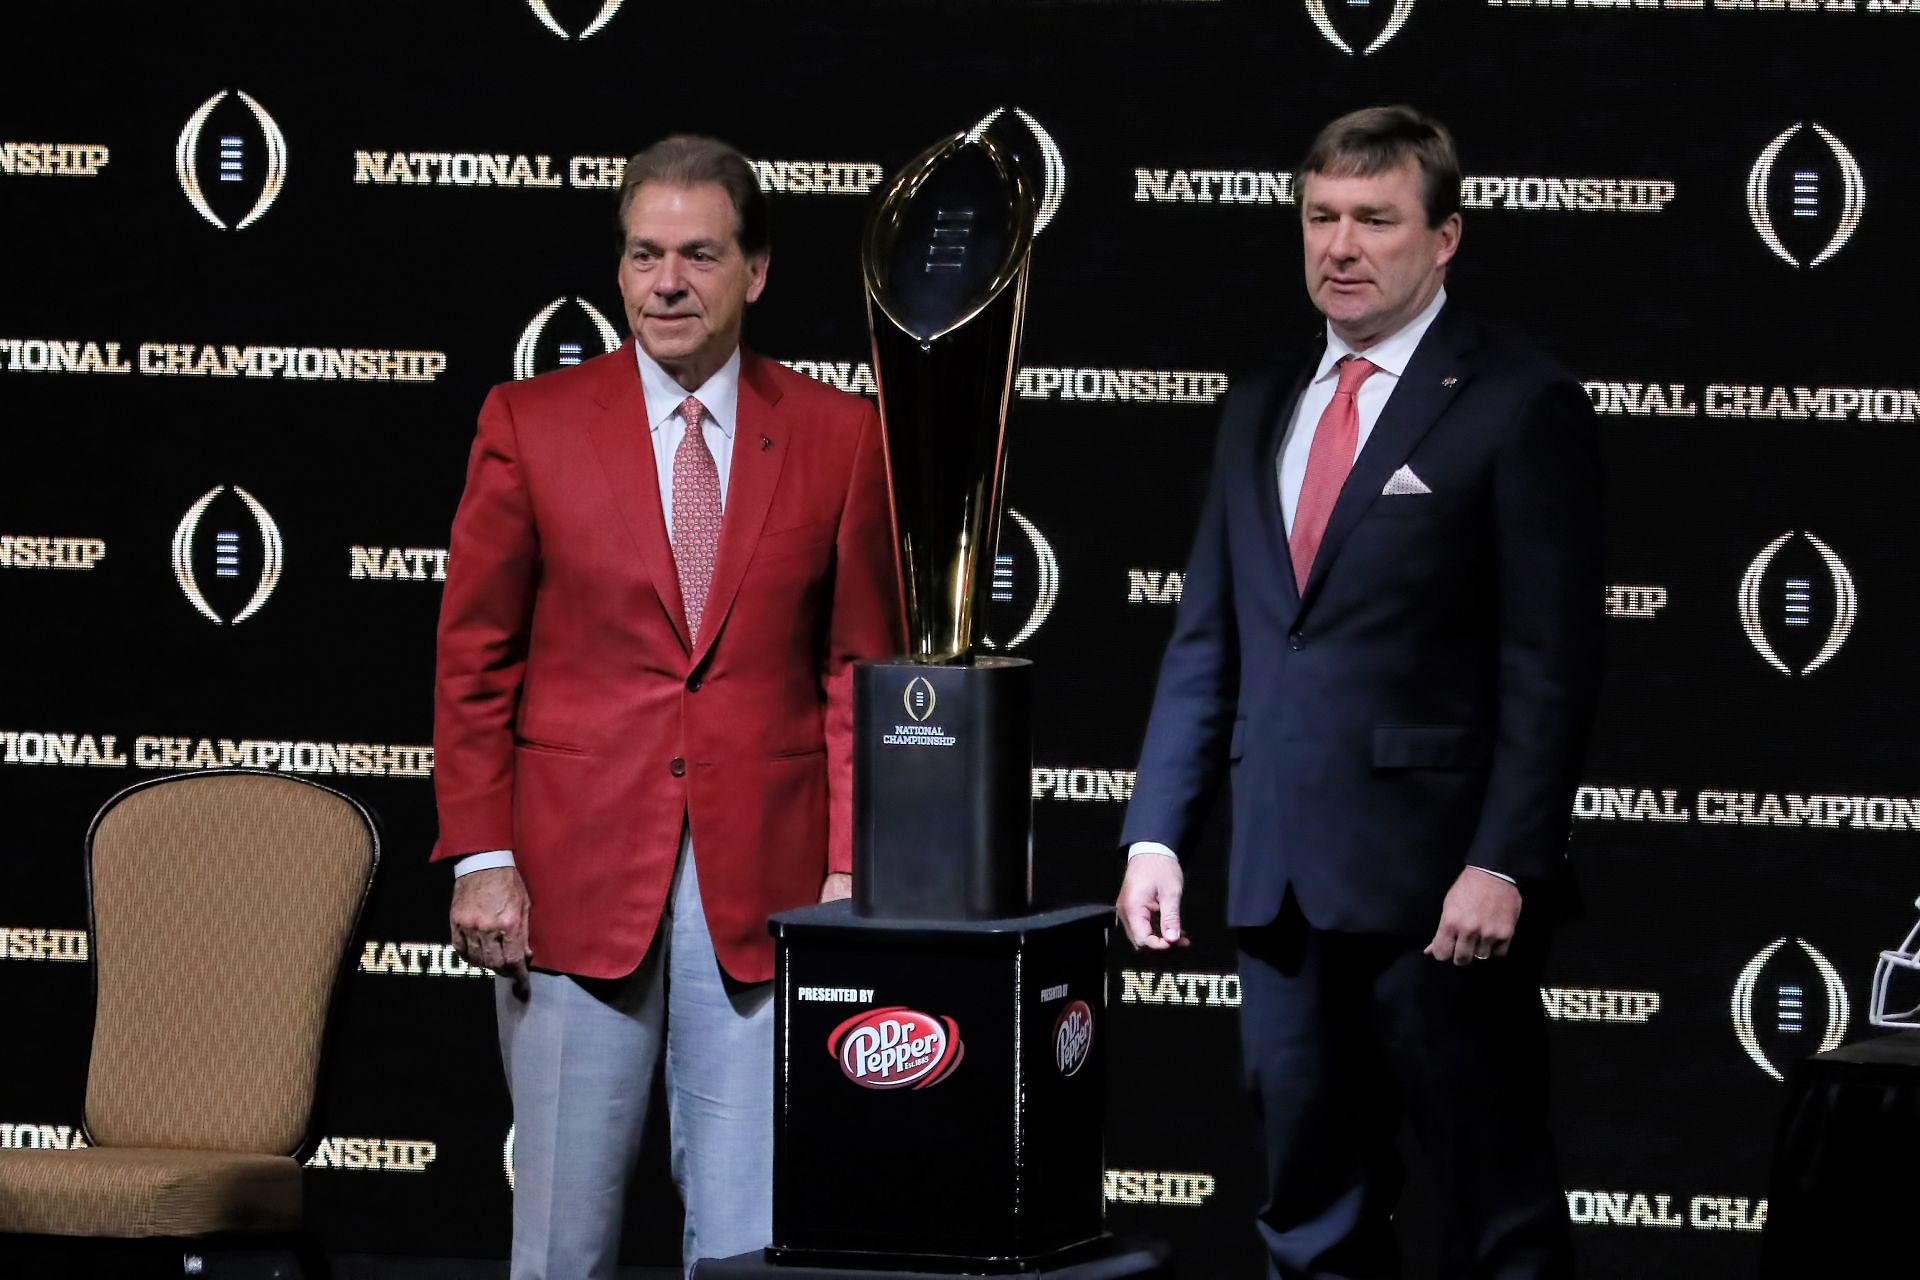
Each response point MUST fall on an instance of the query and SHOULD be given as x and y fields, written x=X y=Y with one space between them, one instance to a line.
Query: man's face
x=1372 y=261
x=684 y=279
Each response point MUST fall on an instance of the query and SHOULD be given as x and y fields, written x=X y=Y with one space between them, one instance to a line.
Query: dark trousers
x=1343 y=1035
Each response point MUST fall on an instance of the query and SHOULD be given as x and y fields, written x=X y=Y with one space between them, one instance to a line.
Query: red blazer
x=576 y=722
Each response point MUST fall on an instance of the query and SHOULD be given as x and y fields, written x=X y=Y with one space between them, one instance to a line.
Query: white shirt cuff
x=483 y=862
x=1139 y=847
x=1496 y=874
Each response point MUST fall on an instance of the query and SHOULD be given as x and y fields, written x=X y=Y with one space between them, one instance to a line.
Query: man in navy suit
x=1389 y=644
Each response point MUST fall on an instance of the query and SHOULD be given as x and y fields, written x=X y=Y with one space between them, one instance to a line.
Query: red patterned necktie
x=1335 y=440
x=696 y=515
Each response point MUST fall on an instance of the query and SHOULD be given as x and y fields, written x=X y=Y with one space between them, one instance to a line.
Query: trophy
x=943 y=744
x=939 y=1007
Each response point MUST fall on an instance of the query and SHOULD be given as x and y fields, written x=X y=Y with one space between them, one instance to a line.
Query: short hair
x=1374 y=140
x=687 y=160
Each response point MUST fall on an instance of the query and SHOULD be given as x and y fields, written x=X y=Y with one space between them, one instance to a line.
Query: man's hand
x=837 y=885
x=1152 y=888
x=489 y=920
x=1477 y=920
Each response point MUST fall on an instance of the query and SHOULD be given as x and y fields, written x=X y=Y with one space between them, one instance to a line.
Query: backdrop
x=259 y=275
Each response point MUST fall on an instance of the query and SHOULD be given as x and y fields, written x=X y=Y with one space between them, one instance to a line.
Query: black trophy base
x=939 y=1090
x=943 y=789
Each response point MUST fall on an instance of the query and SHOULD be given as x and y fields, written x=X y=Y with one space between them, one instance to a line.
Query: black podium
x=939 y=1090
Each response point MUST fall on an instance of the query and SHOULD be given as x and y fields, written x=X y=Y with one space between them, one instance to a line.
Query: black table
x=1841 y=1200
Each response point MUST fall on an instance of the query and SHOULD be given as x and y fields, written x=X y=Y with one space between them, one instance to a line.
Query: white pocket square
x=1404 y=481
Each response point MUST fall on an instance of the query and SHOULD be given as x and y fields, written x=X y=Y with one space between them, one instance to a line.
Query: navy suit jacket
x=1423 y=705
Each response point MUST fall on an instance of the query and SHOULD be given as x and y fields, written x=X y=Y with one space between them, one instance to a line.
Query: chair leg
x=302 y=1257
x=291 y=1255
x=312 y=1256
x=106 y=1258
x=38 y=1255
x=288 y=1256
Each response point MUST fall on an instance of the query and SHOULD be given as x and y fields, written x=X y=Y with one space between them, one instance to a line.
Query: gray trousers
x=580 y=1056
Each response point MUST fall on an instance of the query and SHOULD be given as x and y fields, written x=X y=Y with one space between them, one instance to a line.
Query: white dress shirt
x=719 y=397
x=1390 y=356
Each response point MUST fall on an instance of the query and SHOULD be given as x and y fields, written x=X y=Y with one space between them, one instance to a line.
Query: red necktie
x=1335 y=440
x=696 y=515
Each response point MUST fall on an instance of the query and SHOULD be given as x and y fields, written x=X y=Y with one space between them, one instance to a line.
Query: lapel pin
x=765 y=444
x=1448 y=381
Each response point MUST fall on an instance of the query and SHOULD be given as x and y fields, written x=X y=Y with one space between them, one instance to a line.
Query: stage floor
x=60 y=1260
x=376 y=1267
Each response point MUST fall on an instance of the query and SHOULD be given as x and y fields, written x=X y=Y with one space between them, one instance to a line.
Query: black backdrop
x=1747 y=829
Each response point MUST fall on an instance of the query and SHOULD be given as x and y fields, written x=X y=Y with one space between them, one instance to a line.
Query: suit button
x=693 y=684
x=1296 y=643
x=678 y=767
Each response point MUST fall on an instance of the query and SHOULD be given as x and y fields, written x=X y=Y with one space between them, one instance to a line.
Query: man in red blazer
x=663 y=568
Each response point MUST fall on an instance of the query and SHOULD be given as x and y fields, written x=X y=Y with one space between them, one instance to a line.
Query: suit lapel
x=1433 y=377
x=1274 y=417
x=760 y=439
x=624 y=445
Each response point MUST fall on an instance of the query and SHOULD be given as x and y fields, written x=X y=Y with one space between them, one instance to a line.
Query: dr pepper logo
x=896 y=1047
x=1073 y=1037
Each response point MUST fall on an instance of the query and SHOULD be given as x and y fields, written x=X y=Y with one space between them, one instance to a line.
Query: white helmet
x=1904 y=961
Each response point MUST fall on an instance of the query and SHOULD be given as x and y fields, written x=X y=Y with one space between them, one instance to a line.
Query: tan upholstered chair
x=223 y=905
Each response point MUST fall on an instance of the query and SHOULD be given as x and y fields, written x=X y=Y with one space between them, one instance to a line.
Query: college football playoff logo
x=543 y=10
x=1038 y=151
x=1026 y=584
x=1776 y=1015
x=541 y=352
x=920 y=699
x=1397 y=17
x=244 y=150
x=1798 y=604
x=1806 y=220
x=227 y=576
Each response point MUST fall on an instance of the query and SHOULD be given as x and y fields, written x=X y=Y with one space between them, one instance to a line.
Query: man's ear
x=1450 y=232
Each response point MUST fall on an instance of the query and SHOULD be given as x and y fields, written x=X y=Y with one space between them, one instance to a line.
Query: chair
x=223 y=904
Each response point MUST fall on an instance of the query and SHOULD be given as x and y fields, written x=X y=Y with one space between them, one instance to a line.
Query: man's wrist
x=1139 y=847
x=487 y=861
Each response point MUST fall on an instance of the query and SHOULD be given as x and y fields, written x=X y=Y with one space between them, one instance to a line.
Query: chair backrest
x=223 y=903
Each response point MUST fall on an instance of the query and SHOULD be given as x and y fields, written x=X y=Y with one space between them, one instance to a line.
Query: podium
x=940 y=1087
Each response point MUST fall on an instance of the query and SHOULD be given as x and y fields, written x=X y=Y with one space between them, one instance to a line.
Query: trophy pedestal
x=939 y=1090
x=943 y=789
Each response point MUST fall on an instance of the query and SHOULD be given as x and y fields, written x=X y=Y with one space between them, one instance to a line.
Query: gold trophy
x=943 y=745
x=988 y=1006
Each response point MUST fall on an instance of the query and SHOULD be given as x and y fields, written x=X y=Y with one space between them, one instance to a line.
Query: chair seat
x=126 y=1192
